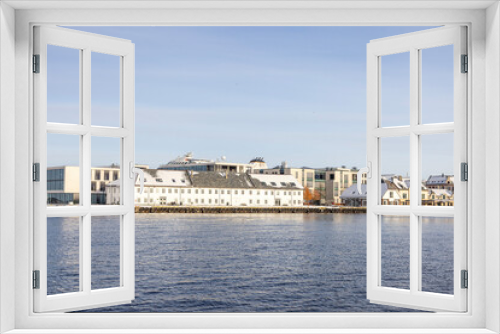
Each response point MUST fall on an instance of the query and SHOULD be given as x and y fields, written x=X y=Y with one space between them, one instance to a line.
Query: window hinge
x=465 y=279
x=36 y=172
x=36 y=63
x=464 y=172
x=36 y=279
x=465 y=64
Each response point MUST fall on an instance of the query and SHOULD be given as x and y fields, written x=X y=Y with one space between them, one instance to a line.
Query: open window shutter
x=414 y=295
x=83 y=209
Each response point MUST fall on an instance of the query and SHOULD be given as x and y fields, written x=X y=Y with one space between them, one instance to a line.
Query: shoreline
x=247 y=209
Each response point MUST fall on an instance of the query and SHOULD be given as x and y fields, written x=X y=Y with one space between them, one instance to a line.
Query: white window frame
x=86 y=297
x=484 y=213
x=414 y=43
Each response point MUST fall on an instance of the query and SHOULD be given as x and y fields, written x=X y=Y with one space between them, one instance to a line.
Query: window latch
x=133 y=171
x=361 y=171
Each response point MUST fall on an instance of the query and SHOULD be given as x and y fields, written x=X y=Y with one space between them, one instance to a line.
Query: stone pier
x=246 y=209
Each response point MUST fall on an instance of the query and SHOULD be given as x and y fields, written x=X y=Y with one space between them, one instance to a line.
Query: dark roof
x=152 y=172
x=438 y=179
x=221 y=180
x=229 y=180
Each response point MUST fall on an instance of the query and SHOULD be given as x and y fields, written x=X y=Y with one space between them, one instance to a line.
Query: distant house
x=351 y=196
x=438 y=197
x=395 y=190
x=440 y=182
x=391 y=194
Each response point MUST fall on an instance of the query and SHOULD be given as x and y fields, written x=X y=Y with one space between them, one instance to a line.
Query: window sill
x=253 y=331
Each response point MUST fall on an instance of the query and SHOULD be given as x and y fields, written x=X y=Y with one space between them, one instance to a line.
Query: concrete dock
x=247 y=209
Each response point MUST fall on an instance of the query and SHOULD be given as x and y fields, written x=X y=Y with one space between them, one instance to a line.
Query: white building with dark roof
x=170 y=187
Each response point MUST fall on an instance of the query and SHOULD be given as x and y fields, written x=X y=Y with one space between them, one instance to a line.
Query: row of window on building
x=164 y=190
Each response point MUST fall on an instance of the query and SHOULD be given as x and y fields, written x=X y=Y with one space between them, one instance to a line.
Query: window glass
x=105 y=252
x=63 y=170
x=106 y=158
x=63 y=85
x=395 y=89
x=395 y=242
x=437 y=169
x=395 y=169
x=437 y=84
x=63 y=255
x=106 y=90
x=437 y=254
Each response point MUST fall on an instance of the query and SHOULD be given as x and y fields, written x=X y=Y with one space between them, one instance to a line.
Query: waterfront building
x=187 y=162
x=63 y=184
x=172 y=187
x=337 y=180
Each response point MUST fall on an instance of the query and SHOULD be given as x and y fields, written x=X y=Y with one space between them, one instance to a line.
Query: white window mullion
x=415 y=254
x=85 y=171
x=85 y=175
x=128 y=179
x=373 y=158
x=86 y=254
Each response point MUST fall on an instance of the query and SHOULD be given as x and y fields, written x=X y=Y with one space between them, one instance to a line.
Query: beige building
x=305 y=176
x=63 y=184
x=337 y=180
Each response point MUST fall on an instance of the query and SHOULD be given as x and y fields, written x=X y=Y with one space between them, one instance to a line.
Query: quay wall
x=246 y=209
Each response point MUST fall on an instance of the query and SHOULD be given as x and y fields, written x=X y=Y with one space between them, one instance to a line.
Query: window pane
x=437 y=170
x=105 y=252
x=105 y=90
x=437 y=84
x=105 y=174
x=395 y=89
x=63 y=85
x=395 y=242
x=63 y=255
x=63 y=169
x=437 y=254
x=395 y=171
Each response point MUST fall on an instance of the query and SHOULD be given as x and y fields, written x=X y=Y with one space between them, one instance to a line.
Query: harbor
x=248 y=209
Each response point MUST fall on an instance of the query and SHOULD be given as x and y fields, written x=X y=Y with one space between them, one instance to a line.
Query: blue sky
x=295 y=94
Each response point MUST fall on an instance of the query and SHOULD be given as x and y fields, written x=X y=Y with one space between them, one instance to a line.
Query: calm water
x=250 y=262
